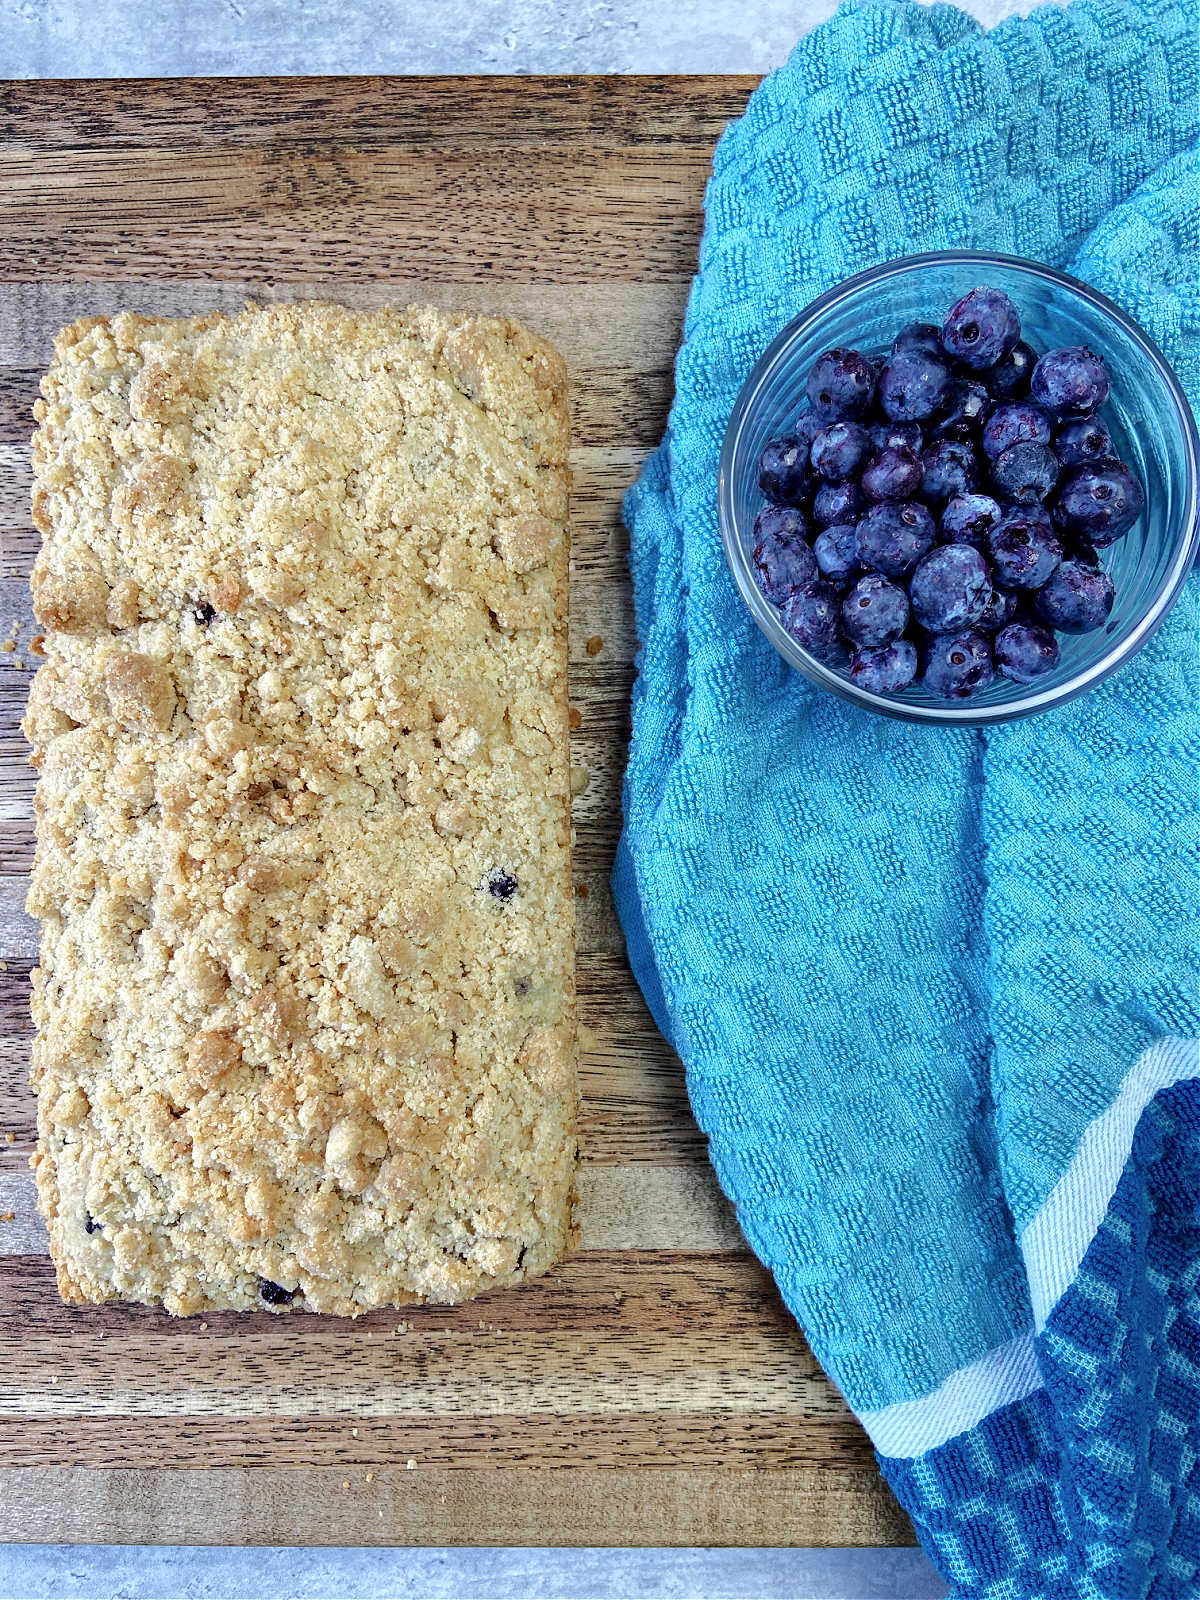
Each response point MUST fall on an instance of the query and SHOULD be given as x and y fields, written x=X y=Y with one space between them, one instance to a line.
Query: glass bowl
x=1150 y=421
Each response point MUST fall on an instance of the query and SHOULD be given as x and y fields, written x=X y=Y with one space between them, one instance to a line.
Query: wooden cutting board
x=652 y=1390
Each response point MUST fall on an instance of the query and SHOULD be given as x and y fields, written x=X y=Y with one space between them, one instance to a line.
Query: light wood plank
x=620 y=328
x=634 y=1207
x=664 y=1505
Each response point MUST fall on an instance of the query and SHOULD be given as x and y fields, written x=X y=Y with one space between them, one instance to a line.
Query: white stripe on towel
x=911 y=1427
x=1057 y=1239
x=1054 y=1245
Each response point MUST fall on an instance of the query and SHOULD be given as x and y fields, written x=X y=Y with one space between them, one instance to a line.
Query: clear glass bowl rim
x=1025 y=703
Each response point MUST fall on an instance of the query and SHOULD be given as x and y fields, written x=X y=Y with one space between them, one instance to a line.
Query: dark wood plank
x=423 y=115
x=767 y=1441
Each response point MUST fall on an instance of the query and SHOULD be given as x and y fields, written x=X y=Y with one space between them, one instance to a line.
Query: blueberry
x=913 y=386
x=834 y=548
x=896 y=436
x=885 y=669
x=780 y=568
x=1076 y=598
x=874 y=612
x=274 y=1294
x=965 y=412
x=841 y=384
x=969 y=518
x=1071 y=382
x=950 y=588
x=90 y=1225
x=1024 y=651
x=783 y=470
x=838 y=451
x=1099 y=502
x=1024 y=548
x=1009 y=378
x=1077 y=443
x=922 y=336
x=892 y=475
x=1082 y=550
x=950 y=469
x=782 y=559
x=1000 y=609
x=811 y=617
x=783 y=524
x=981 y=328
x=837 y=502
x=958 y=665
x=1026 y=472
x=893 y=537
x=808 y=425
x=501 y=885
x=203 y=613
x=1015 y=422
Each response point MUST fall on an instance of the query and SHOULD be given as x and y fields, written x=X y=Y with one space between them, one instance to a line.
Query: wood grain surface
x=652 y=1390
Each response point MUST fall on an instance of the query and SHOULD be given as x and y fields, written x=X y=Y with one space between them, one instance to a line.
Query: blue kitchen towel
x=936 y=990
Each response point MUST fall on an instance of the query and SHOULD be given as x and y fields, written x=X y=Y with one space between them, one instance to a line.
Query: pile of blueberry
x=937 y=510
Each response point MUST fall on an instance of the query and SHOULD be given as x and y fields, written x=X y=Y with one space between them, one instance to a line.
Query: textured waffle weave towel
x=935 y=990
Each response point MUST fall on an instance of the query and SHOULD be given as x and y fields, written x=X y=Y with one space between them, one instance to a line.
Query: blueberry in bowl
x=874 y=613
x=1079 y=442
x=1014 y=422
x=958 y=665
x=981 y=328
x=1051 y=526
x=894 y=474
x=783 y=559
x=969 y=518
x=950 y=589
x=1024 y=549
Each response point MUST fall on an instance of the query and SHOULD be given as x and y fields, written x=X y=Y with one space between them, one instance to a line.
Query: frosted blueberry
x=1071 y=382
x=841 y=384
x=950 y=588
x=892 y=475
x=1076 y=598
x=981 y=328
x=874 y=612
x=1099 y=502
x=885 y=669
x=1024 y=651
x=958 y=665
x=1024 y=549
x=893 y=537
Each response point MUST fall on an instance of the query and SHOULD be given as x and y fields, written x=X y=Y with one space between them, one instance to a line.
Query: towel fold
x=935 y=990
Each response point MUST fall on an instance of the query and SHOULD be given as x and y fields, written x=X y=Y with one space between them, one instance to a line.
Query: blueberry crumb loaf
x=305 y=1005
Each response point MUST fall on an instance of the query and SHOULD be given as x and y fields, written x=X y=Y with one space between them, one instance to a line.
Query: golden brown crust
x=305 y=1005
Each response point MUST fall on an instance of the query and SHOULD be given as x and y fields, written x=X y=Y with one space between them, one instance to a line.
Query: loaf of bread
x=305 y=1004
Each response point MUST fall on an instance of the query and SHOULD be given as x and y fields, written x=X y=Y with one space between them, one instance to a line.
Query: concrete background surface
x=192 y=38
x=195 y=38
x=109 y=1572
